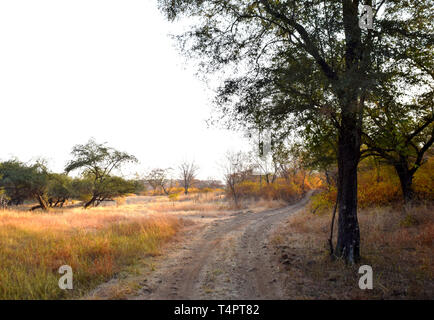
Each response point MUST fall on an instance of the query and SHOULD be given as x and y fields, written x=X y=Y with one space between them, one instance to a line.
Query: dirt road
x=226 y=258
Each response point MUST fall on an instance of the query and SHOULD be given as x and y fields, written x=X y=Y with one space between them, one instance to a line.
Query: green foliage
x=323 y=202
x=82 y=188
x=23 y=182
x=139 y=186
x=173 y=196
x=299 y=65
x=114 y=186
x=96 y=163
x=60 y=189
x=97 y=159
x=20 y=181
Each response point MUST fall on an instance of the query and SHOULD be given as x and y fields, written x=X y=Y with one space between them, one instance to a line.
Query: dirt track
x=226 y=258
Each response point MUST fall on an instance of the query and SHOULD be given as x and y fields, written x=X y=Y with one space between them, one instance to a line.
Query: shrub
x=424 y=181
x=281 y=189
x=379 y=186
x=174 y=196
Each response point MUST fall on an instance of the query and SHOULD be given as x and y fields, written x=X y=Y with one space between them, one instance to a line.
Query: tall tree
x=297 y=59
x=160 y=178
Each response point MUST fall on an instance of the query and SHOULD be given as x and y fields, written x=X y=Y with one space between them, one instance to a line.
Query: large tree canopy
x=295 y=61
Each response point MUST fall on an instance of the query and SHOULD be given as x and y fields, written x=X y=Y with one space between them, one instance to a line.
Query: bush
x=174 y=196
x=379 y=186
x=323 y=202
x=281 y=189
x=424 y=181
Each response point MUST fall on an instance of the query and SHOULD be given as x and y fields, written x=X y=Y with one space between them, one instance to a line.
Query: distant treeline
x=95 y=183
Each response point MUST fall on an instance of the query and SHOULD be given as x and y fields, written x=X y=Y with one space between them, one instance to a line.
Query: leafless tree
x=188 y=172
x=266 y=165
x=160 y=178
x=237 y=168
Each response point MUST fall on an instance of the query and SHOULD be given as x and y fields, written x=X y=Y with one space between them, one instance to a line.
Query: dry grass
x=99 y=243
x=188 y=204
x=211 y=204
x=399 y=249
x=96 y=243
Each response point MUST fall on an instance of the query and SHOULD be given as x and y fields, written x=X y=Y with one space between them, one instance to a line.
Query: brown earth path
x=226 y=258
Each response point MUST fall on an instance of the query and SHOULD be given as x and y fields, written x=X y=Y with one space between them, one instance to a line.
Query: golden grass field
x=97 y=243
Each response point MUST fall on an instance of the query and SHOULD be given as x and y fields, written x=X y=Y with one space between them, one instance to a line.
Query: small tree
x=96 y=162
x=159 y=178
x=188 y=172
x=236 y=170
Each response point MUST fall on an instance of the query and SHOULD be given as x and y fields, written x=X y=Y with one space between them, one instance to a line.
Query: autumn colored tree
x=187 y=171
x=160 y=178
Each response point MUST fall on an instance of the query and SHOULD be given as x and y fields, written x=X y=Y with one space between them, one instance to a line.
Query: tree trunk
x=332 y=227
x=42 y=203
x=234 y=192
x=304 y=178
x=90 y=202
x=406 y=179
x=348 y=242
x=166 y=191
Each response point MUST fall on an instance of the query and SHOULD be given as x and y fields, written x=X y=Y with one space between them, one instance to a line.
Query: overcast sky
x=71 y=70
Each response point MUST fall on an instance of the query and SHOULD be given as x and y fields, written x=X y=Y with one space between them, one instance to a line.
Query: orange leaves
x=280 y=189
x=378 y=185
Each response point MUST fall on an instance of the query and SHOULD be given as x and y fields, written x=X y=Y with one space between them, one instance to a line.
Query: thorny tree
x=97 y=162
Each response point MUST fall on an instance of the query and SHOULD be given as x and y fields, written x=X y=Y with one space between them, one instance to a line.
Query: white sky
x=71 y=70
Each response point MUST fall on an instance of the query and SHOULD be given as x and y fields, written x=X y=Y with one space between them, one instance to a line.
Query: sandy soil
x=226 y=257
